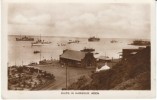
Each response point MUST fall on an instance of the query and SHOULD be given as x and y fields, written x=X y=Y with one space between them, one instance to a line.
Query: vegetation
x=27 y=78
x=131 y=74
x=80 y=84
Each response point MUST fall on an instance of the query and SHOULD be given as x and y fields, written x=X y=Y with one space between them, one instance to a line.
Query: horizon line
x=80 y=36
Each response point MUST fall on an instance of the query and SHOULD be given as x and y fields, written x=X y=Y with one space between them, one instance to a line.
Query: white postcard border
x=57 y=93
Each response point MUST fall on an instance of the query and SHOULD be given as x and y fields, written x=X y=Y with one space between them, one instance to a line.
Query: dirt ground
x=73 y=73
x=59 y=72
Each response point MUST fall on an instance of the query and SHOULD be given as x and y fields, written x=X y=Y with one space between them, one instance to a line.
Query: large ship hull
x=40 y=44
x=24 y=38
x=92 y=40
x=140 y=43
x=17 y=39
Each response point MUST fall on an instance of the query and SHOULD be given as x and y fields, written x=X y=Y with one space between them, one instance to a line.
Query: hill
x=130 y=74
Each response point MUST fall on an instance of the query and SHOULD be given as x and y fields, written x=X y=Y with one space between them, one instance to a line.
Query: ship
x=62 y=44
x=88 y=50
x=45 y=61
x=75 y=41
x=113 y=41
x=36 y=52
x=40 y=42
x=140 y=43
x=25 y=38
x=32 y=64
x=92 y=39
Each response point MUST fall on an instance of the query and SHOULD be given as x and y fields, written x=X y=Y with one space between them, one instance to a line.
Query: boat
x=113 y=41
x=36 y=52
x=92 y=39
x=40 y=42
x=88 y=50
x=32 y=64
x=62 y=44
x=140 y=43
x=96 y=53
x=25 y=38
x=44 y=62
x=75 y=41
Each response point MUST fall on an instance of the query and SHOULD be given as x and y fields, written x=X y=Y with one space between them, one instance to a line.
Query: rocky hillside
x=131 y=74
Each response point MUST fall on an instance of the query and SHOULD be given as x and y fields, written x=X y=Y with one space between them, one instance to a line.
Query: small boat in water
x=92 y=39
x=25 y=38
x=62 y=44
x=44 y=62
x=32 y=64
x=40 y=42
x=88 y=50
x=36 y=52
x=96 y=53
x=75 y=41
x=140 y=43
x=113 y=41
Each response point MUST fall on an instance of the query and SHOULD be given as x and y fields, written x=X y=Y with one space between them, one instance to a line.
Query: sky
x=107 y=20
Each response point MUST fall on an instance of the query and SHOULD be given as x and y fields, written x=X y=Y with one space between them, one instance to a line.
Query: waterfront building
x=126 y=53
x=77 y=58
x=104 y=59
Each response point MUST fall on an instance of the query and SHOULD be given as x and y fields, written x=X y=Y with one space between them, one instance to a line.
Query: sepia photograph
x=79 y=46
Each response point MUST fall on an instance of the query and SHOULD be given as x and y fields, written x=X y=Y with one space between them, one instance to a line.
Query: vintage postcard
x=78 y=49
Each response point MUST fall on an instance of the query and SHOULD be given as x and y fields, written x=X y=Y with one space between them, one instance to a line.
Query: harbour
x=18 y=49
x=66 y=64
x=82 y=49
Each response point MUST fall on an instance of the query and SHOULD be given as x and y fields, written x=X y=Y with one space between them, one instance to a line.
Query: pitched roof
x=73 y=55
x=104 y=58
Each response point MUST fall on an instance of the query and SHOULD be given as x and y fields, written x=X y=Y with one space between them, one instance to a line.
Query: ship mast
x=40 y=55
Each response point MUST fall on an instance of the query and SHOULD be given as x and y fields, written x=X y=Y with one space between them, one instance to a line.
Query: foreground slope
x=131 y=74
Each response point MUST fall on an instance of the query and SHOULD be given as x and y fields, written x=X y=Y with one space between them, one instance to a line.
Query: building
x=104 y=59
x=129 y=52
x=77 y=58
x=44 y=62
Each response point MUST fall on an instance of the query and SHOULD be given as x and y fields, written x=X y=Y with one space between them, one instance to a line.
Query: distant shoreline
x=81 y=37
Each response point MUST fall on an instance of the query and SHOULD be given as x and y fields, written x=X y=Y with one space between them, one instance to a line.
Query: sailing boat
x=40 y=42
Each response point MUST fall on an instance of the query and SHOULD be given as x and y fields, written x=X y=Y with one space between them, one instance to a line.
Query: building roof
x=104 y=58
x=131 y=49
x=133 y=53
x=73 y=55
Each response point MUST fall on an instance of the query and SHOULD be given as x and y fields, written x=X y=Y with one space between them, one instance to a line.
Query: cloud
x=44 y=19
x=107 y=20
x=19 y=19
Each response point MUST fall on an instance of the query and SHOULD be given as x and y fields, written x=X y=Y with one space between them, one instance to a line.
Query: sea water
x=22 y=52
